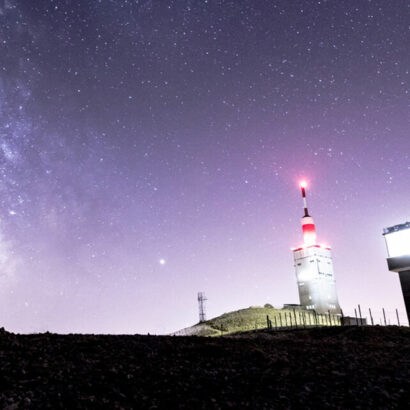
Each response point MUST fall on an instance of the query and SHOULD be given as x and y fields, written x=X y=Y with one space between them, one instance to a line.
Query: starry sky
x=151 y=149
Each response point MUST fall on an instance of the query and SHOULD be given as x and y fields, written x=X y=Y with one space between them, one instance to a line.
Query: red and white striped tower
x=314 y=268
x=308 y=225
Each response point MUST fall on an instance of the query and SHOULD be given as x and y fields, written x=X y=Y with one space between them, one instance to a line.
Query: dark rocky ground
x=358 y=367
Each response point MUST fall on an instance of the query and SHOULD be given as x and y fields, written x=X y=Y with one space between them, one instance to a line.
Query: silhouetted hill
x=332 y=367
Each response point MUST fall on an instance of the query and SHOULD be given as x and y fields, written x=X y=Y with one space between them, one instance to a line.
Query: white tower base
x=316 y=282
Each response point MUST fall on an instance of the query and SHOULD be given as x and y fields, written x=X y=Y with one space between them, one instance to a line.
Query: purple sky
x=138 y=131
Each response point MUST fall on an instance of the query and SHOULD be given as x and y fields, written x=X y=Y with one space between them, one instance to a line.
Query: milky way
x=151 y=149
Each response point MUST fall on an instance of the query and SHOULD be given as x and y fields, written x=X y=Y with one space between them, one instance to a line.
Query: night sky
x=152 y=149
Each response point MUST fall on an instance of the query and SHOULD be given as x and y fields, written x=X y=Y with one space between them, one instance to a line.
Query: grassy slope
x=248 y=319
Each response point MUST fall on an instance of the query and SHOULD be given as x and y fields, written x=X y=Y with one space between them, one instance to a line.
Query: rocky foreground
x=358 y=367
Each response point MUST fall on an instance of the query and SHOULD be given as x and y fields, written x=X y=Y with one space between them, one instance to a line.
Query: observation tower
x=314 y=268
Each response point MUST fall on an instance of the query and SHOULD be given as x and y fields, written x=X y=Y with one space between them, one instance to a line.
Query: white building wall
x=315 y=277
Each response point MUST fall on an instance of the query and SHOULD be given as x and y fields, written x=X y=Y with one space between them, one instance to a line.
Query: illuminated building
x=314 y=269
x=398 y=248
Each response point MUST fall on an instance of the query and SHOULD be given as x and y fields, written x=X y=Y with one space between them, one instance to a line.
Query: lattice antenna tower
x=201 y=306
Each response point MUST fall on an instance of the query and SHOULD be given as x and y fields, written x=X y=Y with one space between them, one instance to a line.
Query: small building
x=398 y=248
x=353 y=321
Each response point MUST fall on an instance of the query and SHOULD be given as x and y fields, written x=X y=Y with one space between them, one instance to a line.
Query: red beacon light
x=303 y=184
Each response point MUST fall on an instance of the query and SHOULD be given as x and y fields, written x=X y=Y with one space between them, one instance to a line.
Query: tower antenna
x=201 y=306
x=303 y=186
x=308 y=225
x=314 y=268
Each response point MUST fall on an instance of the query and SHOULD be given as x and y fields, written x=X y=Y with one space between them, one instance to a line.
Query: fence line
x=299 y=318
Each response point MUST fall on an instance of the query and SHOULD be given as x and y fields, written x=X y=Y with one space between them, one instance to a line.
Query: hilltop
x=329 y=367
x=253 y=318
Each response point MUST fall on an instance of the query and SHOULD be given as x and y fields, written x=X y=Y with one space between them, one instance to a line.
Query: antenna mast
x=308 y=225
x=201 y=306
x=303 y=186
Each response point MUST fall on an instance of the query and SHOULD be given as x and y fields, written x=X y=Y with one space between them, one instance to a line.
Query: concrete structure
x=398 y=248
x=353 y=321
x=314 y=269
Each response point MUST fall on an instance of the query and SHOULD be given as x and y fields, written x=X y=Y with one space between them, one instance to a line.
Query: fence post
x=276 y=323
x=355 y=313
x=294 y=315
x=384 y=316
x=398 y=320
x=280 y=318
x=290 y=319
x=330 y=318
x=342 y=318
x=360 y=315
x=267 y=321
x=371 y=317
